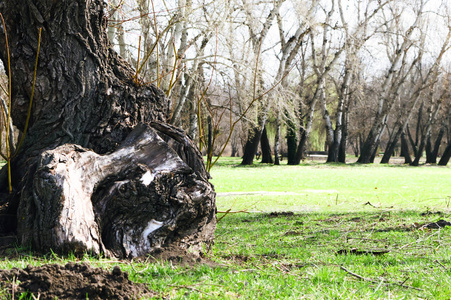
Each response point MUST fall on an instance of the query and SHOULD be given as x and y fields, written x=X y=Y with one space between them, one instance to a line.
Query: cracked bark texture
x=99 y=169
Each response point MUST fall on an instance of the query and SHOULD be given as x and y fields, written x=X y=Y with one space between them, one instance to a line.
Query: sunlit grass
x=306 y=252
x=325 y=187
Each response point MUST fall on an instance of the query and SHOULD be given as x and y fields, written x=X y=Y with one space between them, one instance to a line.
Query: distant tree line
x=366 y=77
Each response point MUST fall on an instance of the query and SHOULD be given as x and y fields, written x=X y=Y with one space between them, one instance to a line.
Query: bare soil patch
x=72 y=281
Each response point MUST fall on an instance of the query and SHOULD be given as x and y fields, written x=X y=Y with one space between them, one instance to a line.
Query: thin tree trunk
x=391 y=146
x=300 y=152
x=420 y=150
x=361 y=142
x=291 y=143
x=210 y=136
x=266 y=148
x=446 y=156
x=338 y=146
x=438 y=141
x=277 y=142
x=428 y=149
x=330 y=133
x=405 y=149
x=369 y=148
x=433 y=111
x=193 y=116
x=418 y=127
x=234 y=145
x=344 y=138
x=412 y=142
x=375 y=152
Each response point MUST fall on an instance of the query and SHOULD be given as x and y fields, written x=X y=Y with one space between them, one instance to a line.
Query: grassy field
x=314 y=231
x=330 y=187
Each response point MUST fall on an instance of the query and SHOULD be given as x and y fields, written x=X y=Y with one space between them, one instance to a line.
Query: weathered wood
x=128 y=203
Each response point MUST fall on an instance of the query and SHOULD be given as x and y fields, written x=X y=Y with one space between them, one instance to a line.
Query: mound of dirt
x=72 y=281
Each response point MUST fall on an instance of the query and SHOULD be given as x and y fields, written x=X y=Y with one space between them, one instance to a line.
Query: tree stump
x=129 y=203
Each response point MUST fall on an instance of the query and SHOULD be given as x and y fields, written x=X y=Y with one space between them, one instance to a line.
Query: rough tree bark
x=99 y=169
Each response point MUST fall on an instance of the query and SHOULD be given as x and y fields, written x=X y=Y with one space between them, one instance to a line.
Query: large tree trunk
x=370 y=147
x=251 y=147
x=85 y=179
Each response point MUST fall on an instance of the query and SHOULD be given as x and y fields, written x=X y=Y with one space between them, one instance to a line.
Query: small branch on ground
x=357 y=275
x=232 y=212
x=402 y=284
x=441 y=265
x=374 y=281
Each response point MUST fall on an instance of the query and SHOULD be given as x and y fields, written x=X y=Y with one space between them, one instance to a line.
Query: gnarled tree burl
x=99 y=169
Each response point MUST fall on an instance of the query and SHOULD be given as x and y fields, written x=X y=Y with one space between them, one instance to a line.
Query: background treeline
x=290 y=76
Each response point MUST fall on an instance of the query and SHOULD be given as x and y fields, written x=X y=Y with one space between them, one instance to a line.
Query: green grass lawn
x=330 y=187
x=307 y=234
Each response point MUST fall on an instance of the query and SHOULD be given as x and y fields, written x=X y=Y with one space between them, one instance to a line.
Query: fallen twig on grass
x=436 y=261
x=363 y=252
x=282 y=269
x=192 y=288
x=245 y=270
x=419 y=240
x=375 y=281
x=357 y=275
x=233 y=212
x=185 y=287
x=402 y=284
x=142 y=271
x=229 y=211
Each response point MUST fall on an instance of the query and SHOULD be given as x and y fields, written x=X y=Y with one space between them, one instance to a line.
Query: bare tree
x=258 y=34
x=392 y=82
x=416 y=93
